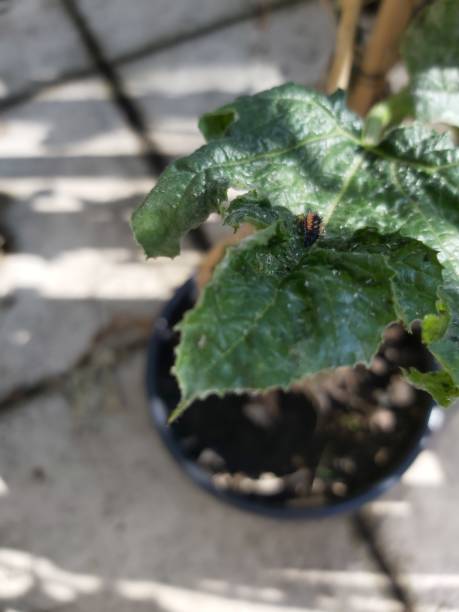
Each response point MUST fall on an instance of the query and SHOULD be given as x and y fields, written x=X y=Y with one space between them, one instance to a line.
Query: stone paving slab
x=419 y=526
x=76 y=119
x=123 y=28
x=70 y=177
x=176 y=86
x=72 y=170
x=37 y=45
x=95 y=516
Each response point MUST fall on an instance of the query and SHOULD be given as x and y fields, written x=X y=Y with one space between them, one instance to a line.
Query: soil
x=319 y=444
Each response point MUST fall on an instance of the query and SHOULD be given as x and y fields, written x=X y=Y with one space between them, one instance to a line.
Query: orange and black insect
x=312 y=227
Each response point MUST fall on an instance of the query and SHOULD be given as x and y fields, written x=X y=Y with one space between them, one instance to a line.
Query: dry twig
x=340 y=72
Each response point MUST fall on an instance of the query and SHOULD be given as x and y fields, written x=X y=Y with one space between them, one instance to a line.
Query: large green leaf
x=431 y=52
x=275 y=311
x=299 y=149
x=293 y=150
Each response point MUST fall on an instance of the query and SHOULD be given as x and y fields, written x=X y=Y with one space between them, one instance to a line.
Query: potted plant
x=288 y=402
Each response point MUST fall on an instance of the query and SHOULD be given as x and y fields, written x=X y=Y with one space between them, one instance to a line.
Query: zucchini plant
x=279 y=309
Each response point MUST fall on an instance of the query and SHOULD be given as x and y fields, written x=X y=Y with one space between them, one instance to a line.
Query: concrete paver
x=37 y=45
x=95 y=516
x=124 y=29
x=418 y=524
x=176 y=86
x=71 y=173
x=72 y=169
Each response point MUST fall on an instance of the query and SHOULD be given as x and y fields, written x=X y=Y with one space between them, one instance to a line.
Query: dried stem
x=340 y=71
x=380 y=53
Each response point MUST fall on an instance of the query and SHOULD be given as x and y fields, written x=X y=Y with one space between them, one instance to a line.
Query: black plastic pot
x=160 y=408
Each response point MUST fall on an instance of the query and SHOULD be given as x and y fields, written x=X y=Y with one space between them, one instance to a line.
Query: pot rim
x=203 y=479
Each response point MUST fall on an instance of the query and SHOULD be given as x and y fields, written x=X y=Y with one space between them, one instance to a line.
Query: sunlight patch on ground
x=27 y=138
x=427 y=582
x=4 y=489
x=366 y=580
x=360 y=603
x=317 y=577
x=20 y=571
x=220 y=587
x=231 y=77
x=52 y=203
x=399 y=509
x=23 y=138
x=99 y=273
x=175 y=142
x=178 y=599
x=426 y=471
x=90 y=188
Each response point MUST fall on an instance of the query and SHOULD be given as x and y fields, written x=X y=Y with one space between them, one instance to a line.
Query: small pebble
x=339 y=488
x=269 y=484
x=379 y=366
x=382 y=456
x=400 y=392
x=392 y=354
x=259 y=414
x=222 y=481
x=346 y=464
x=393 y=333
x=383 y=420
x=299 y=481
x=318 y=486
x=211 y=460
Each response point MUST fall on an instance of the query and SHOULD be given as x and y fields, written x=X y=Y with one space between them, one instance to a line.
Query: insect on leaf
x=278 y=311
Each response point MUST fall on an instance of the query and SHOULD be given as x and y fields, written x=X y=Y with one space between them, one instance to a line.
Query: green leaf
x=431 y=52
x=387 y=113
x=275 y=311
x=270 y=137
x=439 y=384
x=182 y=200
x=298 y=150
x=445 y=346
x=214 y=125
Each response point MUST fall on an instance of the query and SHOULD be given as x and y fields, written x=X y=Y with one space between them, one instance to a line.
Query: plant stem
x=340 y=71
x=380 y=53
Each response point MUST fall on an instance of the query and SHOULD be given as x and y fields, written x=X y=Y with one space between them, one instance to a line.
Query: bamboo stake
x=380 y=53
x=340 y=71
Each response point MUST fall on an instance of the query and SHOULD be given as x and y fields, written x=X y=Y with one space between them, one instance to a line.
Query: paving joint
x=260 y=11
x=108 y=347
x=366 y=530
x=152 y=48
x=132 y=114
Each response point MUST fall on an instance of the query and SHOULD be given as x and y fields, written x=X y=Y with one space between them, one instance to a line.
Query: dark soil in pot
x=312 y=448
